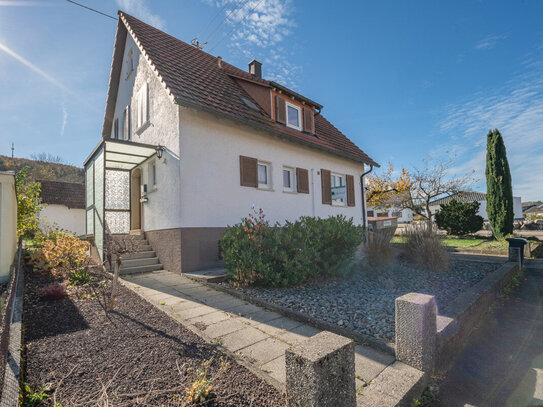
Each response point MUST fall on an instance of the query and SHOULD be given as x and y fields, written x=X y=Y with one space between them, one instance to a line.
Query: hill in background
x=43 y=170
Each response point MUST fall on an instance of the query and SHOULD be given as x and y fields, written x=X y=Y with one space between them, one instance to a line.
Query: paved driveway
x=502 y=364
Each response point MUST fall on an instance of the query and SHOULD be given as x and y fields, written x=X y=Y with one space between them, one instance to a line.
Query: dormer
x=293 y=110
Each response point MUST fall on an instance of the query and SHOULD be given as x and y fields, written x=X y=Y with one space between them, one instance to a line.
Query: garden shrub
x=61 y=256
x=424 y=247
x=459 y=218
x=378 y=248
x=257 y=253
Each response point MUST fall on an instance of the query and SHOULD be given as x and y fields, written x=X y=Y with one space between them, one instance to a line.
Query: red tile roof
x=63 y=193
x=194 y=78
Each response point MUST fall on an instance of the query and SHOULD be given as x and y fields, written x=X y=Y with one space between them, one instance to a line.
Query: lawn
x=451 y=241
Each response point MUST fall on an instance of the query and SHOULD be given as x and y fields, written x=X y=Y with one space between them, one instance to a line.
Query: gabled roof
x=535 y=209
x=194 y=78
x=63 y=193
x=462 y=196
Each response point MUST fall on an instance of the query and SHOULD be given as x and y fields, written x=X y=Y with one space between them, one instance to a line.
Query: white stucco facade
x=8 y=223
x=62 y=217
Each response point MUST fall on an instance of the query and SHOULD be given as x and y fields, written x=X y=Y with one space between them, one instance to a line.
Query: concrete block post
x=416 y=330
x=515 y=255
x=320 y=372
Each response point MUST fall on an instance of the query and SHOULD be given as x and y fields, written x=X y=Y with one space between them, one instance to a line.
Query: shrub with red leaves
x=53 y=292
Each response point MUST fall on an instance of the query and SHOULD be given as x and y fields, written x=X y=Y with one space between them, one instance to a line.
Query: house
x=402 y=215
x=468 y=196
x=8 y=223
x=535 y=211
x=64 y=206
x=190 y=144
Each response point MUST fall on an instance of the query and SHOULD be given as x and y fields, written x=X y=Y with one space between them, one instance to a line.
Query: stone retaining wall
x=463 y=314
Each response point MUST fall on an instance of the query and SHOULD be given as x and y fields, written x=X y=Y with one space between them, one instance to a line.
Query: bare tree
x=114 y=249
x=48 y=158
x=432 y=181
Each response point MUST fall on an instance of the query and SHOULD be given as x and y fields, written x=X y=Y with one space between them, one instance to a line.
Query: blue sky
x=402 y=79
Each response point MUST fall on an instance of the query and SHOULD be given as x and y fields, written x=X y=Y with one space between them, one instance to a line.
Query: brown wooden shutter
x=350 y=190
x=302 y=181
x=309 y=120
x=280 y=110
x=326 y=187
x=248 y=172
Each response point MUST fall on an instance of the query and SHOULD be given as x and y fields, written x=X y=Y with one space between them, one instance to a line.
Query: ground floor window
x=288 y=179
x=339 y=191
x=264 y=175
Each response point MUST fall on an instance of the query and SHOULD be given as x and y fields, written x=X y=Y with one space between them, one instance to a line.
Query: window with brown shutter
x=326 y=187
x=350 y=190
x=248 y=171
x=280 y=110
x=309 y=120
x=302 y=181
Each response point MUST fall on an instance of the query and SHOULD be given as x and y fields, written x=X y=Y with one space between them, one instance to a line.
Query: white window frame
x=333 y=177
x=142 y=107
x=299 y=110
x=292 y=179
x=268 y=184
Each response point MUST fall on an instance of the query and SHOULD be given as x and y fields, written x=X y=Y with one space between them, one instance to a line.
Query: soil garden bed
x=135 y=355
x=363 y=302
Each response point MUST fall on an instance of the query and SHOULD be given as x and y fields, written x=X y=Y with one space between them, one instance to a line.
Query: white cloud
x=139 y=9
x=256 y=29
x=516 y=109
x=489 y=41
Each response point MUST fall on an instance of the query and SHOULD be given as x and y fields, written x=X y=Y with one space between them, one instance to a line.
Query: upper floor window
x=142 y=112
x=116 y=128
x=127 y=130
x=294 y=116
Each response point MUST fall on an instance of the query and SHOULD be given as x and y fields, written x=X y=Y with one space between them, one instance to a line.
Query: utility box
x=378 y=223
x=516 y=248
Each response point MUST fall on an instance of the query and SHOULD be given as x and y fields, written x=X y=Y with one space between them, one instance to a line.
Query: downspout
x=364 y=219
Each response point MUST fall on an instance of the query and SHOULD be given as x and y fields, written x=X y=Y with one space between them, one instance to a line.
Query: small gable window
x=142 y=113
x=127 y=131
x=293 y=116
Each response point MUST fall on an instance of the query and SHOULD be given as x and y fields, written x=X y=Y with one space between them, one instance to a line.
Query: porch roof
x=123 y=154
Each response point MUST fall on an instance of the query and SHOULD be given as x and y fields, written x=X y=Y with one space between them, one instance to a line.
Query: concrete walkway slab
x=502 y=364
x=260 y=337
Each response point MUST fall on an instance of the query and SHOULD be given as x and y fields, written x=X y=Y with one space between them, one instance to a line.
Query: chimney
x=255 y=68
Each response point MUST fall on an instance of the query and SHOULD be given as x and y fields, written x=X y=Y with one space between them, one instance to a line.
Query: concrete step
x=141 y=269
x=139 y=255
x=210 y=275
x=138 y=262
x=132 y=237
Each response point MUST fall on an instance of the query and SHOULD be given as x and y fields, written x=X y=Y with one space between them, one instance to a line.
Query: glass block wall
x=94 y=184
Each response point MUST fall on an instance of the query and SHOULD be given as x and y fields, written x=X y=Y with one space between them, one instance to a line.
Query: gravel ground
x=135 y=355
x=364 y=301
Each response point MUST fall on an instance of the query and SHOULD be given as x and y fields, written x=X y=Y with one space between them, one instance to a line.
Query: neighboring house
x=403 y=215
x=8 y=223
x=64 y=206
x=467 y=196
x=191 y=143
x=534 y=211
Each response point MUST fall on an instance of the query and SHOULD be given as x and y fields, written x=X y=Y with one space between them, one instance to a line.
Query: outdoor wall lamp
x=159 y=151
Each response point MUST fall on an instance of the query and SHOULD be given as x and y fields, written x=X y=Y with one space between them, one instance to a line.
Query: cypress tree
x=499 y=191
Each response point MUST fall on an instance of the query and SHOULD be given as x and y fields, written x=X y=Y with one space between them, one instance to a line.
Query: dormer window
x=294 y=119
